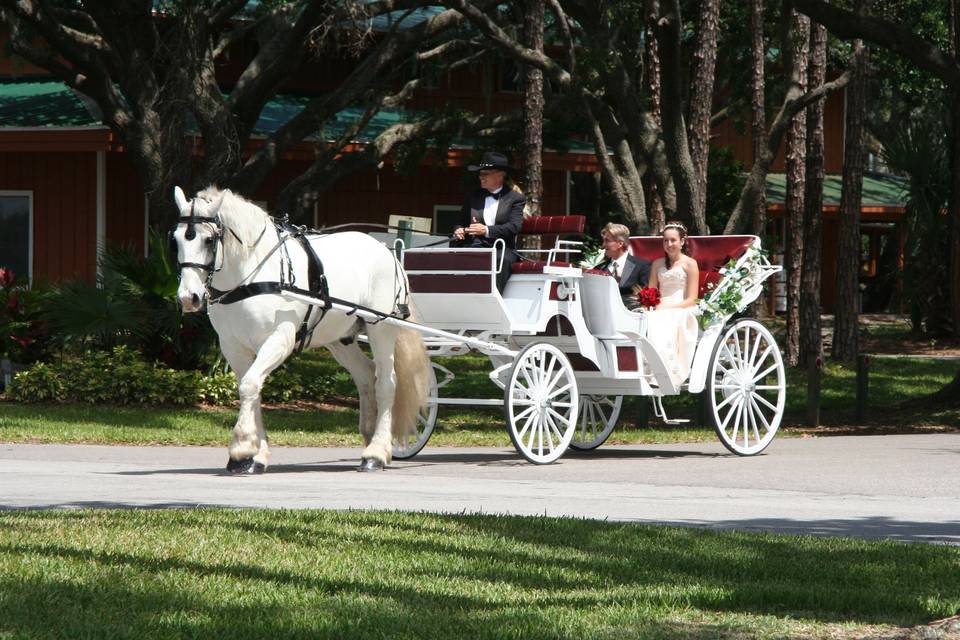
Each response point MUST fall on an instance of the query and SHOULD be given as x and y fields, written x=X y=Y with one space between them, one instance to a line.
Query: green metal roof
x=879 y=190
x=42 y=103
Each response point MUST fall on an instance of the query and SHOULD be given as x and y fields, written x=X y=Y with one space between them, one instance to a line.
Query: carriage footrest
x=661 y=413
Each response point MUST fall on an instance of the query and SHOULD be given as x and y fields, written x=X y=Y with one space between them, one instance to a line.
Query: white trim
x=29 y=195
x=101 y=243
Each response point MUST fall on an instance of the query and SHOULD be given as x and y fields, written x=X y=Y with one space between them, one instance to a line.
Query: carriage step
x=661 y=413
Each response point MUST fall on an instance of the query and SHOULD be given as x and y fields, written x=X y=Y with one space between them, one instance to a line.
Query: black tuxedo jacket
x=635 y=271
x=508 y=221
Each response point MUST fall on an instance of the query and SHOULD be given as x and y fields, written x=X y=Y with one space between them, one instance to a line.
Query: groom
x=627 y=269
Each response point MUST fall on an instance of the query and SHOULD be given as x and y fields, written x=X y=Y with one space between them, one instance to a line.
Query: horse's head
x=197 y=239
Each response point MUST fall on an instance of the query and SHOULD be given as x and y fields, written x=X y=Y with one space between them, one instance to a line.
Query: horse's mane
x=241 y=216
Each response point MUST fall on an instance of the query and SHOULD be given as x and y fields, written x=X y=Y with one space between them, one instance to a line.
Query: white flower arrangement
x=740 y=280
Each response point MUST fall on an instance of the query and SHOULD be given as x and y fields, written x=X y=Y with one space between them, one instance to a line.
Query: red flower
x=13 y=302
x=648 y=297
x=6 y=278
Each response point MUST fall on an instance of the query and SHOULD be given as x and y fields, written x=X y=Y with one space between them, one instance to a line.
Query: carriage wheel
x=596 y=420
x=746 y=387
x=541 y=402
x=411 y=445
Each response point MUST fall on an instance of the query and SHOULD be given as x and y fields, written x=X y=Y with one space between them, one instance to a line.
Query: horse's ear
x=219 y=201
x=180 y=198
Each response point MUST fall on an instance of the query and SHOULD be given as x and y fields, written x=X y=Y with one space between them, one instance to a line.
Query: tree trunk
x=796 y=170
x=651 y=65
x=846 y=322
x=701 y=99
x=533 y=109
x=758 y=126
x=674 y=129
x=811 y=341
x=954 y=221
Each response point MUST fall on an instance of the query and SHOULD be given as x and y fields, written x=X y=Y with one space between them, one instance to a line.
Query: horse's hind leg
x=352 y=358
x=379 y=450
x=249 y=451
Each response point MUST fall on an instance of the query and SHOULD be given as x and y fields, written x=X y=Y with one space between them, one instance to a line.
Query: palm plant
x=920 y=151
x=133 y=302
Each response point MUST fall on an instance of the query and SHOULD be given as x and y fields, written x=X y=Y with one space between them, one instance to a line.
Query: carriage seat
x=711 y=253
x=555 y=226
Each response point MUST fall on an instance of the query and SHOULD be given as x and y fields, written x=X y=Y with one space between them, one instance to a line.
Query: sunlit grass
x=310 y=574
x=891 y=381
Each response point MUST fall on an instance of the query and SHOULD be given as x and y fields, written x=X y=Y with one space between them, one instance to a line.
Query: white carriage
x=565 y=349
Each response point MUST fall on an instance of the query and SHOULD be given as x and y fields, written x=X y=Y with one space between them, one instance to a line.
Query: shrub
x=121 y=376
x=218 y=388
x=39 y=383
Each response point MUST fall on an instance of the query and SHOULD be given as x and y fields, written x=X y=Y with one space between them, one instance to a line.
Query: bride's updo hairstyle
x=682 y=230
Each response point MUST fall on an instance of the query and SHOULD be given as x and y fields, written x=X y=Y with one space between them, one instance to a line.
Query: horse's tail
x=412 y=367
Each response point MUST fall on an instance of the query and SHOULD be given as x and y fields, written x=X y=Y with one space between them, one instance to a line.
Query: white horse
x=223 y=242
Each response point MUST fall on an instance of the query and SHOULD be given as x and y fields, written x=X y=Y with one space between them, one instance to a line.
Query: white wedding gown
x=673 y=331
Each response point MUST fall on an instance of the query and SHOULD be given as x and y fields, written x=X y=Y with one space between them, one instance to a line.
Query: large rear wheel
x=746 y=387
x=598 y=416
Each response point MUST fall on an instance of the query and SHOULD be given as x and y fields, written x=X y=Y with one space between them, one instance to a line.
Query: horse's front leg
x=249 y=451
x=379 y=449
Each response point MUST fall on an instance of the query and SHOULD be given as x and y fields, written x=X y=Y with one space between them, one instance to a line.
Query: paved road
x=897 y=487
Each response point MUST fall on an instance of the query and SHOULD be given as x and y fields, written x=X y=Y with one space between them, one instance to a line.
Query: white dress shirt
x=621 y=262
x=490 y=205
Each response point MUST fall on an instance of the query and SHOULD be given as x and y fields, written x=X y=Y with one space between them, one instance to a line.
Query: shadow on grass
x=318 y=574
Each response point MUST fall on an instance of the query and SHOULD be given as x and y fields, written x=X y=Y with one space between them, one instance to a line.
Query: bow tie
x=491 y=194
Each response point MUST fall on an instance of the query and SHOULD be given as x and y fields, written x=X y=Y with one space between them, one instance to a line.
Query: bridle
x=216 y=240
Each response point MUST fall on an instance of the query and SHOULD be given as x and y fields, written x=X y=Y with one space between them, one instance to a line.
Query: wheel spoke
x=763 y=418
x=562 y=418
x=730 y=398
x=736 y=421
x=761 y=376
x=553 y=431
x=764 y=401
x=526 y=426
x=560 y=391
x=753 y=355
x=762 y=359
x=524 y=413
x=726 y=420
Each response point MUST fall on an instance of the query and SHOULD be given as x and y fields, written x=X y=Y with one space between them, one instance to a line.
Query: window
x=16 y=241
x=445 y=218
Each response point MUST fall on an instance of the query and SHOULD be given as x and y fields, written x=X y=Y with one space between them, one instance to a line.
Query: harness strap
x=318 y=286
x=315 y=277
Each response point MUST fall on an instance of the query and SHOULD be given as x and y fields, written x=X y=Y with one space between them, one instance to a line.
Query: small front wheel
x=598 y=416
x=541 y=403
x=746 y=387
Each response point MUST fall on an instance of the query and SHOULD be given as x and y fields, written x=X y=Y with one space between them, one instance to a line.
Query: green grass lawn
x=308 y=574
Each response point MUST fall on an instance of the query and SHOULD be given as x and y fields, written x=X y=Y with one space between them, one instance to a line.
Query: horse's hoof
x=245 y=467
x=371 y=464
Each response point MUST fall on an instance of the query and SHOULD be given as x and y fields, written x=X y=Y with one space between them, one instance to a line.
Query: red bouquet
x=648 y=297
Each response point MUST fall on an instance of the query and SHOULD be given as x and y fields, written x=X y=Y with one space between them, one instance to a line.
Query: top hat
x=491 y=160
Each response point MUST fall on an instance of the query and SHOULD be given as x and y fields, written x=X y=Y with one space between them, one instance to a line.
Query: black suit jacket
x=507 y=223
x=635 y=271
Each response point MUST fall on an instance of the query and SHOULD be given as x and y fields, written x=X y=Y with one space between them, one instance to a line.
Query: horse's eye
x=208 y=241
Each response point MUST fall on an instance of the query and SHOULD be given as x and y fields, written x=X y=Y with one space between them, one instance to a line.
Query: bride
x=672 y=327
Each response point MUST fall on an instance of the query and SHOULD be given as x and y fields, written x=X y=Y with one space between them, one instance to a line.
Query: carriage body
x=554 y=312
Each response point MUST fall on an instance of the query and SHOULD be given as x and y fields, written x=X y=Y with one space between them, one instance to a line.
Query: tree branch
x=848 y=25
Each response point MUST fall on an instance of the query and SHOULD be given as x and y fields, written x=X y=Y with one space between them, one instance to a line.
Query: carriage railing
x=569 y=248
